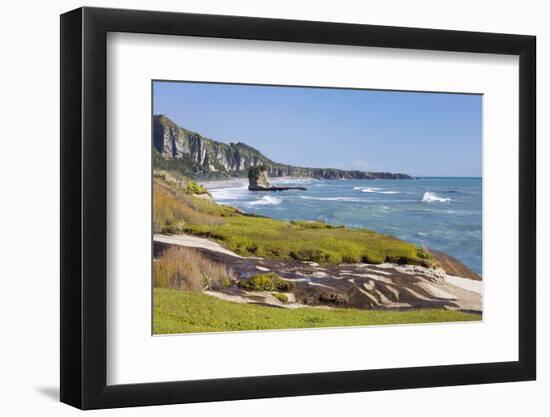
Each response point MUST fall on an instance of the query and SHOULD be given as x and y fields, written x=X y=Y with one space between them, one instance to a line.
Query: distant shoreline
x=244 y=179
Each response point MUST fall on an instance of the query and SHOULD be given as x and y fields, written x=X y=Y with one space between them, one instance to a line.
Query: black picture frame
x=84 y=207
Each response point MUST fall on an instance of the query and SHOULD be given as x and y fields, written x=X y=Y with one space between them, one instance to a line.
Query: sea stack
x=259 y=181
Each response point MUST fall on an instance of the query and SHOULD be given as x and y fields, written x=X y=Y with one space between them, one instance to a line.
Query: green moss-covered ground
x=270 y=238
x=178 y=311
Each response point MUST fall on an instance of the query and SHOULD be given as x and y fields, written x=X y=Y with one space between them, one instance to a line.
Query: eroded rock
x=259 y=181
x=366 y=286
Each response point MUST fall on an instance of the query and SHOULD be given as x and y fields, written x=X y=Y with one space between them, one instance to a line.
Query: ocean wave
x=430 y=197
x=266 y=200
x=352 y=199
x=283 y=181
x=375 y=190
x=229 y=193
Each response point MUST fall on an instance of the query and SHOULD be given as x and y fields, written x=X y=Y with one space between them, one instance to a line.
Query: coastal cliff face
x=190 y=153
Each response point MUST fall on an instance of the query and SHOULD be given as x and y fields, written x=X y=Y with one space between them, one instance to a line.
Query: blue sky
x=420 y=134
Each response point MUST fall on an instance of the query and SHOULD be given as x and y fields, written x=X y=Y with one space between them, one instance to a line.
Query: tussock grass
x=188 y=312
x=186 y=269
x=179 y=182
x=173 y=210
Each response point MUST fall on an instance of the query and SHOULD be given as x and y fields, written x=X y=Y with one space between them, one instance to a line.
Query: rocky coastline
x=258 y=180
x=288 y=264
x=384 y=286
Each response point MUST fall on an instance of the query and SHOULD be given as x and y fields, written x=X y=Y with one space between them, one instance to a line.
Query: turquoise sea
x=443 y=214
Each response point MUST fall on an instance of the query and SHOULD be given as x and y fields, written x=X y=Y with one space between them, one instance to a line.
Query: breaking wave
x=357 y=200
x=430 y=197
x=265 y=201
x=286 y=180
x=239 y=193
x=374 y=190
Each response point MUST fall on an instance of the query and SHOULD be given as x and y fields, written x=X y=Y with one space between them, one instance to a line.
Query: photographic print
x=286 y=207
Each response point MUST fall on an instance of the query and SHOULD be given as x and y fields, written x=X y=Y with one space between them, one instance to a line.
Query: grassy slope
x=261 y=236
x=186 y=312
x=257 y=236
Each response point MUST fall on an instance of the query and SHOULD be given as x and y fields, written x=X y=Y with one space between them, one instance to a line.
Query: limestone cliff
x=192 y=154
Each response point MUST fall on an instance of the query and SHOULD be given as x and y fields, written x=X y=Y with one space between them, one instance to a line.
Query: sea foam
x=239 y=193
x=266 y=200
x=430 y=197
x=374 y=190
x=355 y=200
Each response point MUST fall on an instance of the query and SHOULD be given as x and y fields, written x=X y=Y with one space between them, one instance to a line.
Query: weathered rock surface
x=384 y=286
x=192 y=154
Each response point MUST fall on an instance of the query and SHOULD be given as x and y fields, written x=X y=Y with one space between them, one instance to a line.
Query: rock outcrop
x=258 y=180
x=191 y=154
x=365 y=286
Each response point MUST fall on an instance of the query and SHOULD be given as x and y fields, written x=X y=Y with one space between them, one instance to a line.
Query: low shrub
x=266 y=282
x=400 y=260
x=373 y=258
x=186 y=269
x=194 y=188
x=351 y=255
x=311 y=255
x=281 y=297
x=311 y=224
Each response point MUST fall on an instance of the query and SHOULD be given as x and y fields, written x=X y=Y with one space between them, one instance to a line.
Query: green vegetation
x=255 y=172
x=175 y=211
x=266 y=282
x=309 y=224
x=181 y=274
x=194 y=188
x=266 y=237
x=186 y=269
x=281 y=297
x=187 y=312
x=177 y=182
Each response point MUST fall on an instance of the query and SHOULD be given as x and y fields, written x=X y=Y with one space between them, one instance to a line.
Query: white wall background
x=29 y=219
